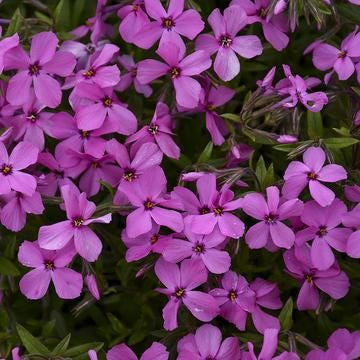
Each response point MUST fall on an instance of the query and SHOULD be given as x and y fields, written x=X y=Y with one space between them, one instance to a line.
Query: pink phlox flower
x=271 y=214
x=103 y=106
x=312 y=172
x=324 y=231
x=17 y=206
x=130 y=77
x=268 y=349
x=147 y=195
x=168 y=25
x=352 y=221
x=180 y=283
x=12 y=177
x=332 y=281
x=179 y=68
x=38 y=70
x=47 y=266
x=203 y=247
x=158 y=131
x=156 y=351
x=274 y=27
x=226 y=43
x=79 y=212
x=207 y=343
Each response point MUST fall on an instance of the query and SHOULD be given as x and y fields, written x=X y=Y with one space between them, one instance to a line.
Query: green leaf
x=315 y=127
x=62 y=346
x=206 y=153
x=44 y=18
x=339 y=143
x=77 y=11
x=291 y=146
x=232 y=117
x=31 y=343
x=7 y=267
x=261 y=172
x=15 y=23
x=343 y=131
x=285 y=316
x=356 y=90
x=77 y=352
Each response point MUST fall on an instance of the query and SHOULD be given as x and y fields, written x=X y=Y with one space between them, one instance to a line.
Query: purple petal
x=344 y=67
x=203 y=306
x=68 y=283
x=47 y=90
x=126 y=119
x=216 y=261
x=168 y=273
x=18 y=91
x=208 y=340
x=43 y=47
x=320 y=193
x=170 y=314
x=56 y=236
x=207 y=43
x=187 y=91
x=35 y=283
x=138 y=222
x=226 y=64
x=22 y=182
x=337 y=287
x=62 y=64
x=332 y=173
x=308 y=298
x=325 y=56
x=314 y=158
x=274 y=36
x=282 y=235
x=321 y=254
x=23 y=155
x=230 y=225
x=189 y=23
x=263 y=321
x=149 y=70
x=30 y=255
x=91 y=117
x=353 y=245
x=255 y=205
x=87 y=243
x=247 y=46
x=177 y=250
x=257 y=236
x=192 y=274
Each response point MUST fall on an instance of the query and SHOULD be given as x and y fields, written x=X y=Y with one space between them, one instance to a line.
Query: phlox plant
x=180 y=179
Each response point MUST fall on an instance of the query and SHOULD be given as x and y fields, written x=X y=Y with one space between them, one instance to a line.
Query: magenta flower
x=216 y=209
x=168 y=25
x=180 y=283
x=268 y=296
x=207 y=344
x=274 y=27
x=179 y=68
x=342 y=345
x=92 y=169
x=226 y=43
x=64 y=127
x=47 y=266
x=268 y=349
x=270 y=230
x=158 y=131
x=142 y=245
x=13 y=213
x=342 y=61
x=323 y=229
x=133 y=19
x=130 y=78
x=97 y=72
x=147 y=156
x=212 y=98
x=352 y=192
x=7 y=44
x=294 y=88
x=156 y=351
x=11 y=178
x=147 y=195
x=203 y=247
x=352 y=220
x=103 y=106
x=38 y=70
x=235 y=299
x=332 y=281
x=312 y=172
x=33 y=122
x=79 y=213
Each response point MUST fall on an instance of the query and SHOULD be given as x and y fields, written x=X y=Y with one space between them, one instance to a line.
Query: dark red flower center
x=271 y=218
x=34 y=69
x=204 y=210
x=218 y=211
x=232 y=295
x=174 y=72
x=225 y=41
x=107 y=101
x=168 y=23
x=135 y=8
x=153 y=129
x=88 y=23
x=129 y=175
x=199 y=248
x=89 y=73
x=133 y=72
x=95 y=165
x=179 y=293
x=262 y=13
x=78 y=222
x=322 y=231
x=309 y=279
x=312 y=176
x=341 y=54
x=6 y=169
x=32 y=117
x=85 y=134
x=154 y=239
x=148 y=205
x=210 y=107
x=49 y=265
